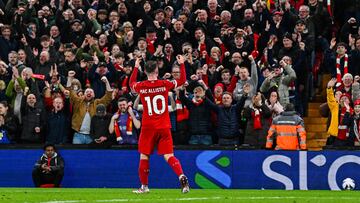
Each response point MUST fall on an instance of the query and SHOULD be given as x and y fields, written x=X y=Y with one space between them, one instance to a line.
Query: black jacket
x=56 y=162
x=100 y=126
x=200 y=116
x=58 y=127
x=227 y=118
x=31 y=118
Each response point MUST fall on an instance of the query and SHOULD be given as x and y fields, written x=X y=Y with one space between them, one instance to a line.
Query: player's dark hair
x=150 y=66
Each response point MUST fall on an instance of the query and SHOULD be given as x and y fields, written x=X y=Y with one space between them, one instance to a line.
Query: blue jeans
x=200 y=140
x=80 y=138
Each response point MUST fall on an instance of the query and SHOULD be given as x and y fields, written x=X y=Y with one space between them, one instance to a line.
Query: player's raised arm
x=134 y=74
x=182 y=79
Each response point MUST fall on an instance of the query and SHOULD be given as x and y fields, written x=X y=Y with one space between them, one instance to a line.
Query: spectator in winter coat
x=340 y=116
x=7 y=43
x=96 y=72
x=228 y=116
x=84 y=108
x=278 y=80
x=33 y=117
x=257 y=115
x=49 y=169
x=199 y=115
x=99 y=127
x=338 y=62
x=71 y=64
x=9 y=125
x=14 y=93
x=354 y=135
x=58 y=124
x=242 y=76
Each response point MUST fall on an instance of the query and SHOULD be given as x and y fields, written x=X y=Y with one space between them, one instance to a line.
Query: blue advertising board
x=244 y=169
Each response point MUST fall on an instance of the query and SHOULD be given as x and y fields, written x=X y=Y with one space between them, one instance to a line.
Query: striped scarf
x=328 y=4
x=343 y=132
x=129 y=126
x=338 y=66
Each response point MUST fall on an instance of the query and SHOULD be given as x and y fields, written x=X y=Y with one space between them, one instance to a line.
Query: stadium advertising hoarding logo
x=319 y=160
x=275 y=170
x=211 y=175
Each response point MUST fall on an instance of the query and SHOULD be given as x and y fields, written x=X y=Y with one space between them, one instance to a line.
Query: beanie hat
x=357 y=102
x=219 y=85
x=100 y=108
x=345 y=95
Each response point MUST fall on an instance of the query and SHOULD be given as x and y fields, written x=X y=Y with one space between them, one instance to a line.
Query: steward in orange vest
x=288 y=130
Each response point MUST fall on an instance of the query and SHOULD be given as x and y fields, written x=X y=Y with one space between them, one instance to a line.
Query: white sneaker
x=142 y=190
x=185 y=187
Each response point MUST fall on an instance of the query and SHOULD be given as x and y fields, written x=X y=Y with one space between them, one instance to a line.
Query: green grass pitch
x=75 y=195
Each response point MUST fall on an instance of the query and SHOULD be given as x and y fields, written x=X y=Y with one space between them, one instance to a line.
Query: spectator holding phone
x=279 y=81
x=125 y=123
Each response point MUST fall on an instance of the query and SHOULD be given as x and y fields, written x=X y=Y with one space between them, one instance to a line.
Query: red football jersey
x=154 y=97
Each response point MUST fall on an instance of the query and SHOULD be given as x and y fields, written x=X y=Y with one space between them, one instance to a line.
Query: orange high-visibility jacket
x=289 y=131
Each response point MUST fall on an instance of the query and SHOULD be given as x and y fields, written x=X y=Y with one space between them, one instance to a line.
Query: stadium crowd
x=251 y=65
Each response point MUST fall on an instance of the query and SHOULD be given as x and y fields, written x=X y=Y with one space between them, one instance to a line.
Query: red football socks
x=144 y=171
x=175 y=165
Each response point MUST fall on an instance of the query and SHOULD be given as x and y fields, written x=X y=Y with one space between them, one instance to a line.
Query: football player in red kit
x=156 y=125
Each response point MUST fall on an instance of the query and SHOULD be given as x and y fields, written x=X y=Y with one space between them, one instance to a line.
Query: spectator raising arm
x=182 y=79
x=134 y=74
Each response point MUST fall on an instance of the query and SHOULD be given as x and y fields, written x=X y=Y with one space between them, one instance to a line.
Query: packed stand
x=250 y=65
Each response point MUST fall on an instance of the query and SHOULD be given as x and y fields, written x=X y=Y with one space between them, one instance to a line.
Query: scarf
x=118 y=67
x=218 y=99
x=338 y=66
x=87 y=81
x=256 y=39
x=125 y=84
x=182 y=113
x=150 y=45
x=343 y=132
x=256 y=116
x=328 y=3
x=197 y=103
x=129 y=126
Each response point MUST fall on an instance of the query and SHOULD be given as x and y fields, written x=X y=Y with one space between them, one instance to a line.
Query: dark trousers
x=40 y=178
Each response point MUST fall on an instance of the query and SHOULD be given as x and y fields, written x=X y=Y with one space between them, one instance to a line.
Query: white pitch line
x=65 y=201
x=228 y=198
x=177 y=199
x=206 y=198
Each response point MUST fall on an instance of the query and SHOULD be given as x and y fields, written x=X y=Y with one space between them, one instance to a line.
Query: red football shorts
x=149 y=138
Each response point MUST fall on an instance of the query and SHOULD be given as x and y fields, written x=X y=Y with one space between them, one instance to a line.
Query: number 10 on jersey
x=152 y=104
